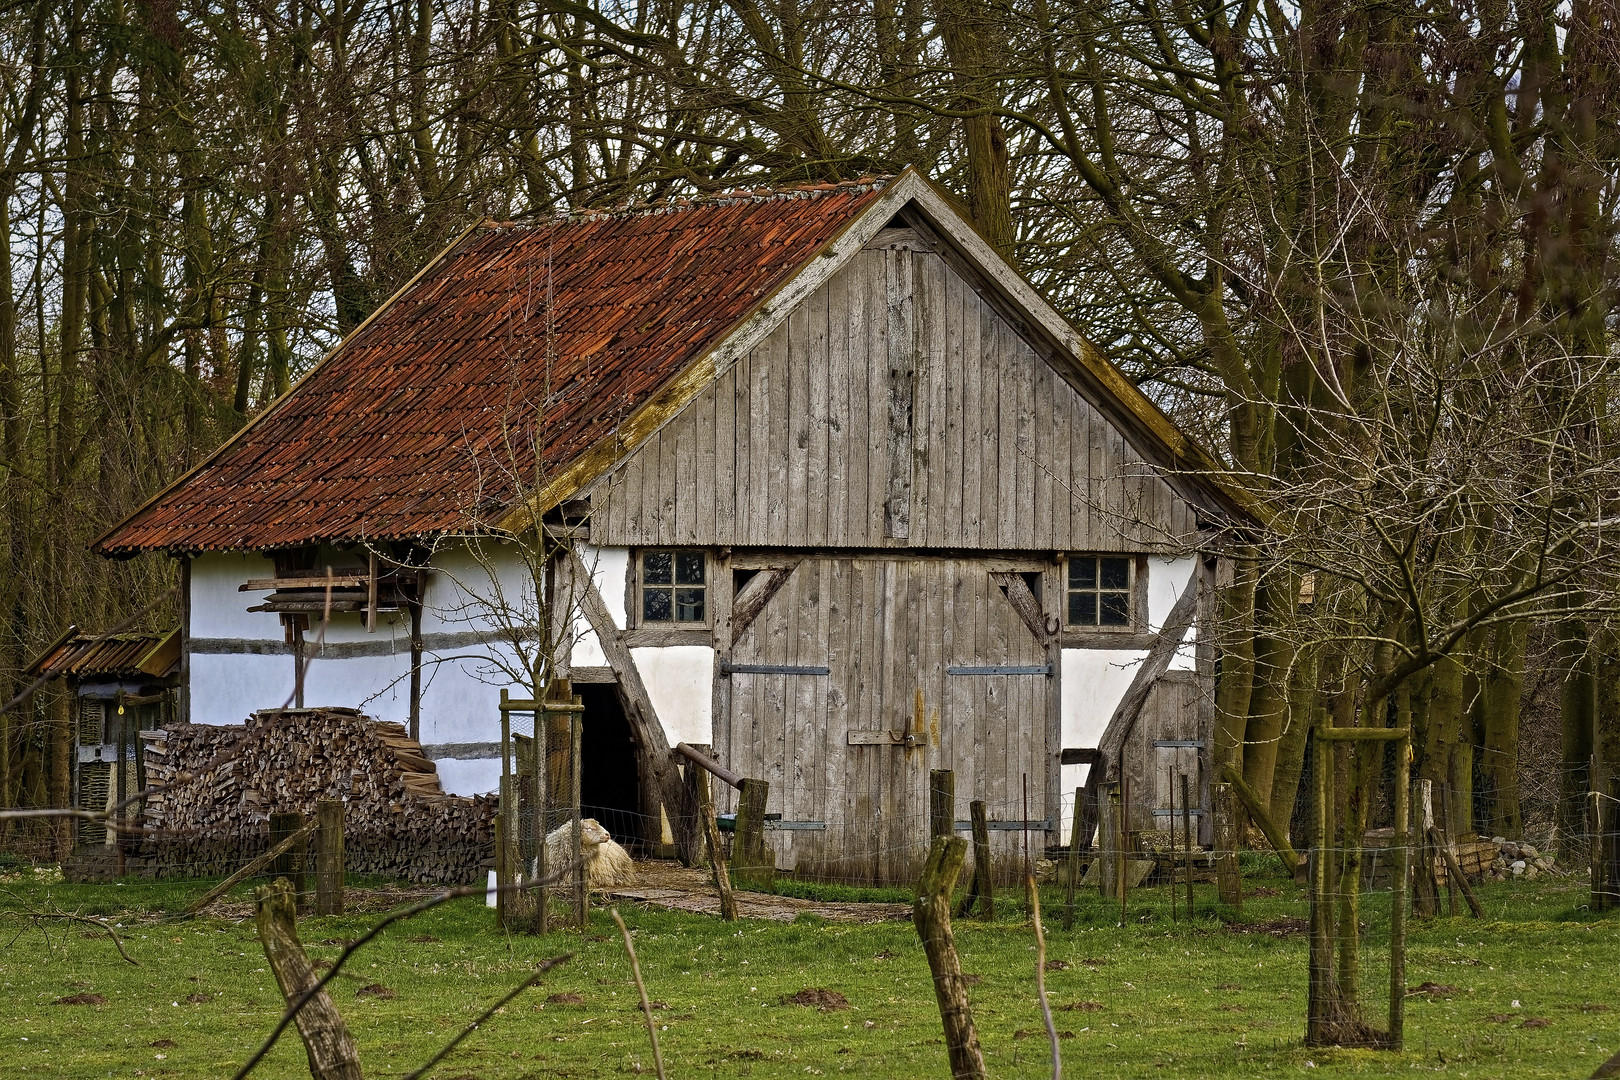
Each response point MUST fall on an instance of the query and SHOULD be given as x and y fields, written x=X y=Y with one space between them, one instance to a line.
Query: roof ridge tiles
x=702 y=200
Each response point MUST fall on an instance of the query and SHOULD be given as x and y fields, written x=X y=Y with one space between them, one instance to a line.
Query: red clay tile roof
x=81 y=655
x=430 y=409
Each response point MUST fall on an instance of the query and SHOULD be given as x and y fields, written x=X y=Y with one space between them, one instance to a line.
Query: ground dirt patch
x=82 y=999
x=824 y=1000
x=1432 y=989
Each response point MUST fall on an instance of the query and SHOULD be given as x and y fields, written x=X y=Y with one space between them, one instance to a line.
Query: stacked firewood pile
x=221 y=784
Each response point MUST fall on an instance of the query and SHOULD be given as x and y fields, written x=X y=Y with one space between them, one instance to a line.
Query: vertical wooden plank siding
x=814 y=353
x=836 y=504
x=796 y=522
x=802 y=441
x=875 y=313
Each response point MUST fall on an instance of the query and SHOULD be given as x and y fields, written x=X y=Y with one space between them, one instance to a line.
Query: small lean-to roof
x=549 y=333
x=79 y=655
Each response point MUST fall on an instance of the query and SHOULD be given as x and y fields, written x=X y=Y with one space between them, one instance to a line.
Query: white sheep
x=607 y=865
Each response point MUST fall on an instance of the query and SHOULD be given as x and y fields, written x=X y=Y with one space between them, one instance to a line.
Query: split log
x=221 y=783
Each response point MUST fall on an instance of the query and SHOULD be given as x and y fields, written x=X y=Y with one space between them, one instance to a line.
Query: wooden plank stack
x=221 y=783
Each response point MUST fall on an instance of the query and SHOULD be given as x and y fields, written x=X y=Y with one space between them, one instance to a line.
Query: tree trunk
x=1503 y=689
x=1274 y=604
x=1577 y=710
x=974 y=39
x=1304 y=706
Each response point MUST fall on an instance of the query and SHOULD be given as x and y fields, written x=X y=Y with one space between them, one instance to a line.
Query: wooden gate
x=821 y=699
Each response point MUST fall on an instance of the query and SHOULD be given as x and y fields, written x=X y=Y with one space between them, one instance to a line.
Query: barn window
x=674 y=588
x=1099 y=590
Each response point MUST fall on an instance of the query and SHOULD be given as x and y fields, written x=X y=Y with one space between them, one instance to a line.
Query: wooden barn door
x=822 y=701
x=1000 y=696
x=778 y=696
x=1166 y=744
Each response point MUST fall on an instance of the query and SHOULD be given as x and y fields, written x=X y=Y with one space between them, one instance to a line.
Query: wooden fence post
x=576 y=737
x=1602 y=821
x=1611 y=842
x=1228 y=875
x=1425 y=885
x=941 y=802
x=1107 y=837
x=289 y=864
x=982 y=886
x=756 y=866
x=1402 y=871
x=503 y=876
x=711 y=836
x=1074 y=858
x=329 y=857
x=931 y=914
x=331 y=1050
x=1187 y=835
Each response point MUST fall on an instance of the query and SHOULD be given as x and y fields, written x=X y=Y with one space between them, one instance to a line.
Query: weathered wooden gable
x=896 y=406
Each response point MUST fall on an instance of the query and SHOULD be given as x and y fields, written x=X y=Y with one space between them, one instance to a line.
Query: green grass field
x=1532 y=991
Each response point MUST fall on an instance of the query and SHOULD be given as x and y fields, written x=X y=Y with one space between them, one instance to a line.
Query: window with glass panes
x=1099 y=590
x=673 y=587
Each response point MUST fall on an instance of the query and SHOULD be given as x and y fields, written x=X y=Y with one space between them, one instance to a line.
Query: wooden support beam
x=702 y=760
x=717 y=851
x=1358 y=734
x=753 y=596
x=1277 y=838
x=1153 y=667
x=1023 y=602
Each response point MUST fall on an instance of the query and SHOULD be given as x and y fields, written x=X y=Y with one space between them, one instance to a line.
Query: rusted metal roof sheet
x=79 y=655
x=544 y=335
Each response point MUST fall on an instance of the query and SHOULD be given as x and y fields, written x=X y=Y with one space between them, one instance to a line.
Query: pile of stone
x=1518 y=859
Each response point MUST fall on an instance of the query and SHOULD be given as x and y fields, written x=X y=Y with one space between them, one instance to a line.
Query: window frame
x=1135 y=593
x=638 y=564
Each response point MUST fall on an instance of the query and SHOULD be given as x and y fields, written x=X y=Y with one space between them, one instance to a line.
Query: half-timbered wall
x=893 y=408
x=240 y=662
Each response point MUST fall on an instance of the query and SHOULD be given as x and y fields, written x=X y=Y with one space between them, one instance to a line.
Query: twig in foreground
x=545 y=966
x=1040 y=973
x=72 y=917
x=646 y=1009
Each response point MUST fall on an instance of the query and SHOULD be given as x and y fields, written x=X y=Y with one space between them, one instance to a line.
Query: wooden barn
x=824 y=485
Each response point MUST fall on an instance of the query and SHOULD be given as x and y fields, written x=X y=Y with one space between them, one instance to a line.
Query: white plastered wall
x=679 y=678
x=227 y=686
x=1094 y=680
x=487 y=591
x=461 y=683
x=680 y=684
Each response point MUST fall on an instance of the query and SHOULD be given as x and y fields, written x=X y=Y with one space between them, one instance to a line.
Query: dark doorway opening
x=609 y=780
